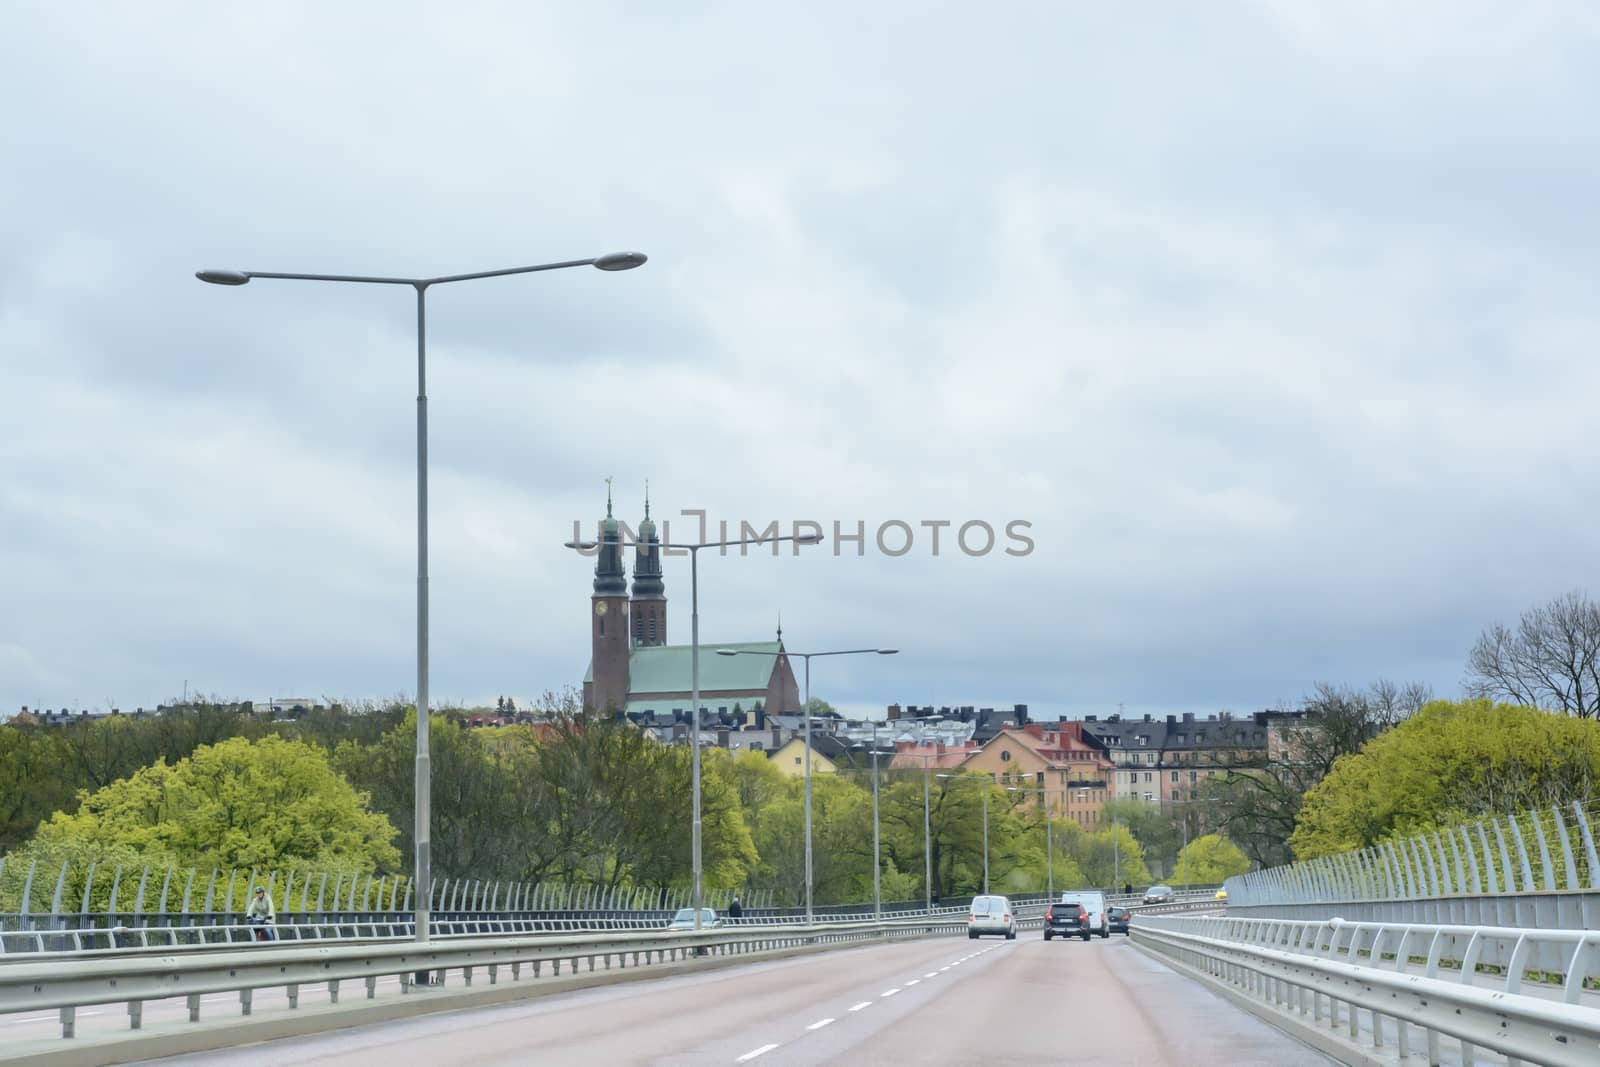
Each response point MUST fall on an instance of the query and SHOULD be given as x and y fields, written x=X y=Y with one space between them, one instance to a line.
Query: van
x=1094 y=902
x=991 y=915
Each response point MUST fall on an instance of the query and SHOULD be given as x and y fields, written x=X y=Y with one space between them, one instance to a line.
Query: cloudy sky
x=1274 y=322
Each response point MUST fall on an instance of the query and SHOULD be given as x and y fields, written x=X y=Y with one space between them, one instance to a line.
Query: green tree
x=269 y=803
x=1207 y=859
x=1448 y=764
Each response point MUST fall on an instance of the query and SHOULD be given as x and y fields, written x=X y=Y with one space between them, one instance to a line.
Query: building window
x=1143 y=740
x=652 y=629
x=1192 y=776
x=1150 y=796
x=1174 y=777
x=1147 y=777
x=1005 y=757
x=1174 y=794
x=797 y=761
x=1149 y=757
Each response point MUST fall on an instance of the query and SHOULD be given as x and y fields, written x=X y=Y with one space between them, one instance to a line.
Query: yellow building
x=790 y=758
x=1075 y=771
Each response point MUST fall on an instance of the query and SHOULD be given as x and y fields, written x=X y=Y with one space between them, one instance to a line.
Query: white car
x=991 y=915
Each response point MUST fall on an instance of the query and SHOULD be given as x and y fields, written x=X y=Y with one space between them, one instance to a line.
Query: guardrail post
x=193 y=1000
x=1522 y=855
x=1544 y=851
x=88 y=884
x=27 y=891
x=333 y=991
x=372 y=984
x=135 y=1015
x=1588 y=845
x=1490 y=875
x=294 y=995
x=69 y=1022
x=1566 y=849
x=245 y=998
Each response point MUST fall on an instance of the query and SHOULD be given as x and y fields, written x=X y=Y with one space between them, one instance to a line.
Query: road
x=937 y=1001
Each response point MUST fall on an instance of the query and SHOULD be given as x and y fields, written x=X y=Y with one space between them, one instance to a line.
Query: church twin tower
x=620 y=624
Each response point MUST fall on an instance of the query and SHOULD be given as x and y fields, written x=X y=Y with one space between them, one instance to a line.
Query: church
x=632 y=668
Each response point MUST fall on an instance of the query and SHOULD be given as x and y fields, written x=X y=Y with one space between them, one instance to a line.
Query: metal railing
x=69 y=984
x=1527 y=994
x=81 y=894
x=195 y=937
x=1548 y=850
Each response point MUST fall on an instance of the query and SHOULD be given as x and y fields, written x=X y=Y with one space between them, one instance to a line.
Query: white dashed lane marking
x=753 y=1053
x=913 y=981
x=890 y=992
x=931 y=974
x=863 y=1004
x=819 y=1024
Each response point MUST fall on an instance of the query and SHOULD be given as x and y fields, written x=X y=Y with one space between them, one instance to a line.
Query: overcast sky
x=1277 y=327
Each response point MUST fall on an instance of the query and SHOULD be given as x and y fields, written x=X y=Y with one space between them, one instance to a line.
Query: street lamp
x=694 y=664
x=808 y=656
x=988 y=782
x=613 y=261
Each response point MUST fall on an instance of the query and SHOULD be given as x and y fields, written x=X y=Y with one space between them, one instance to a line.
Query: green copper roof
x=666 y=668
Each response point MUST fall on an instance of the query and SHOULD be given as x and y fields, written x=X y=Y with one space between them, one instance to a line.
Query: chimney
x=894 y=712
x=1172 y=720
x=1188 y=716
x=777 y=736
x=1147 y=718
x=723 y=733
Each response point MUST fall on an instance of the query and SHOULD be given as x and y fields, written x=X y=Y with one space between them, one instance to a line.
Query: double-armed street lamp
x=988 y=783
x=615 y=261
x=693 y=548
x=808 y=657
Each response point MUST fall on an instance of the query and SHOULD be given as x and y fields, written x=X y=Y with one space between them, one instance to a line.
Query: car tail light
x=1083 y=916
x=1006 y=919
x=1050 y=914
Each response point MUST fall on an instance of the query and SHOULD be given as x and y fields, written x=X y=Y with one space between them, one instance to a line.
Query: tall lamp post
x=987 y=784
x=808 y=657
x=694 y=667
x=614 y=261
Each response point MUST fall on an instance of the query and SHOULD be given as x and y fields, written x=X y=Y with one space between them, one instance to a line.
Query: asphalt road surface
x=938 y=1001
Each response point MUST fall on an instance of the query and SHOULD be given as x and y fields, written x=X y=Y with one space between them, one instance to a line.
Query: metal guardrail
x=33 y=944
x=1397 y=974
x=224 y=931
x=69 y=984
x=1547 y=850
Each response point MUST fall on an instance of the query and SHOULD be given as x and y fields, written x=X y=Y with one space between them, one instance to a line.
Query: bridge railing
x=1543 y=851
x=1527 y=994
x=69 y=984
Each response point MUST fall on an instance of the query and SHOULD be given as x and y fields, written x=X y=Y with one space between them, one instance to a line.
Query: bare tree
x=1551 y=660
x=1257 y=799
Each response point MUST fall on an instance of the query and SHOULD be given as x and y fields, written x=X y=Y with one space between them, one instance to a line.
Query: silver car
x=684 y=920
x=991 y=915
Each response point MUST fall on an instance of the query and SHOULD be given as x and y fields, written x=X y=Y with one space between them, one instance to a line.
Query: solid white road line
x=863 y=1004
x=819 y=1024
x=753 y=1053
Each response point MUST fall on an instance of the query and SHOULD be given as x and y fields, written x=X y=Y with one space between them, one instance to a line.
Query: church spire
x=609 y=577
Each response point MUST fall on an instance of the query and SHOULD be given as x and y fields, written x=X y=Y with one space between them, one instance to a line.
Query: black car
x=1117 y=919
x=1066 y=920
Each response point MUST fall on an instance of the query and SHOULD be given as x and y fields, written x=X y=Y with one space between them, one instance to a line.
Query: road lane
x=989 y=1002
